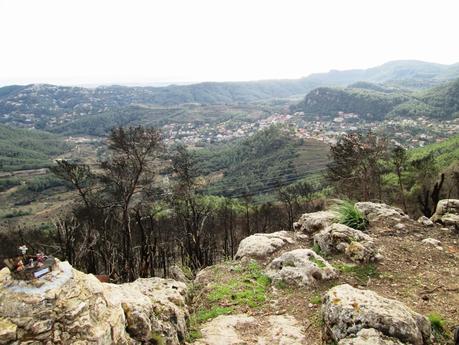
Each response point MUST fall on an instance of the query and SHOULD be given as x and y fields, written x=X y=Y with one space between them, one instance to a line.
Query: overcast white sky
x=136 y=41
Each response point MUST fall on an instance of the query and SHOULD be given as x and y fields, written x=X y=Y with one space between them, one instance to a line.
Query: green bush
x=349 y=215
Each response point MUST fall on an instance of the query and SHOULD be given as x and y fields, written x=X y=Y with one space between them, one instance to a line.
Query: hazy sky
x=135 y=41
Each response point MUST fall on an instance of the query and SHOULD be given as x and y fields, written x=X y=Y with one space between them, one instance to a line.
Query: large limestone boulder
x=339 y=238
x=70 y=307
x=378 y=211
x=300 y=267
x=310 y=223
x=347 y=310
x=261 y=246
x=447 y=212
x=369 y=336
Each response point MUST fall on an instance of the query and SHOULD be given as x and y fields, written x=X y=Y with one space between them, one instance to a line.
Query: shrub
x=349 y=215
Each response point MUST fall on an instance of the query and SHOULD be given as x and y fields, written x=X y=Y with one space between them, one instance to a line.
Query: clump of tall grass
x=349 y=215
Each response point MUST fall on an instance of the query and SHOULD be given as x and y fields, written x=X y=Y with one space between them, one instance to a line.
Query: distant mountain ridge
x=37 y=104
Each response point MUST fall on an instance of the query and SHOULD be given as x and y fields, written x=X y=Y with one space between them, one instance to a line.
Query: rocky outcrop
x=347 y=310
x=369 y=336
x=70 y=307
x=375 y=212
x=260 y=246
x=300 y=267
x=339 y=238
x=310 y=223
x=447 y=212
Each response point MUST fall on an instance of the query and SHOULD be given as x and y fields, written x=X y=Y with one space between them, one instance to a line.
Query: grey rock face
x=346 y=311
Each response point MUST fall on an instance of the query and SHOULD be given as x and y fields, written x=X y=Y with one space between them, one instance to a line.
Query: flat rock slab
x=242 y=329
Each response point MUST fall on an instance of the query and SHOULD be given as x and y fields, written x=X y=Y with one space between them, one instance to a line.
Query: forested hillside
x=28 y=149
x=378 y=100
x=261 y=163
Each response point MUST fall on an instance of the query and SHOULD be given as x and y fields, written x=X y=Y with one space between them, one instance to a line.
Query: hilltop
x=391 y=283
x=379 y=100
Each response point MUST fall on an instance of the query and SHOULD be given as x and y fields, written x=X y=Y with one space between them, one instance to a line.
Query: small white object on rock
x=301 y=267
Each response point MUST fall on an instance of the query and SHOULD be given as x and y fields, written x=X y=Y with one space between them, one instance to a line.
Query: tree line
x=367 y=167
x=144 y=208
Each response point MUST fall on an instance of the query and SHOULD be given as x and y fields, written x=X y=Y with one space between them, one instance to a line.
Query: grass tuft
x=361 y=272
x=349 y=215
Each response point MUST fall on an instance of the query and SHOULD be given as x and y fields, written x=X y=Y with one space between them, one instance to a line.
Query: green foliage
x=248 y=289
x=364 y=98
x=329 y=101
x=38 y=184
x=7 y=183
x=207 y=314
x=349 y=215
x=318 y=262
x=437 y=322
x=27 y=149
x=270 y=158
x=361 y=272
x=316 y=249
x=444 y=153
x=14 y=213
x=316 y=299
x=438 y=325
